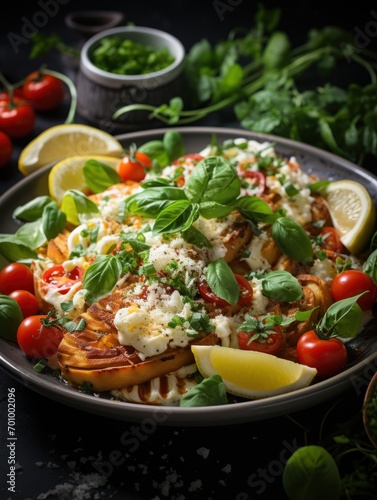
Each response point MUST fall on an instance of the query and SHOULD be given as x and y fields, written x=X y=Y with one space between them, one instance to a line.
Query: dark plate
x=363 y=349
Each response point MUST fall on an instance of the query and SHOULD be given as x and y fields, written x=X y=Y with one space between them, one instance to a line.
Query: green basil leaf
x=213 y=179
x=281 y=286
x=255 y=209
x=99 y=176
x=195 y=237
x=152 y=201
x=276 y=55
x=342 y=319
x=14 y=248
x=32 y=234
x=10 y=317
x=178 y=216
x=292 y=240
x=33 y=209
x=222 y=281
x=75 y=205
x=53 y=221
x=370 y=266
x=212 y=209
x=210 y=392
x=173 y=144
x=101 y=277
x=156 y=151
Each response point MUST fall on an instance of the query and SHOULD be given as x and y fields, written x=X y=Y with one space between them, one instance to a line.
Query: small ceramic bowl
x=101 y=93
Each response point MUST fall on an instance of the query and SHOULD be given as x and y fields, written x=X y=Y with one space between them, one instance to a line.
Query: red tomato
x=58 y=277
x=256 y=179
x=44 y=92
x=37 y=340
x=246 y=293
x=352 y=282
x=16 y=276
x=191 y=159
x=4 y=95
x=268 y=342
x=27 y=301
x=17 y=118
x=6 y=149
x=331 y=240
x=327 y=356
x=133 y=167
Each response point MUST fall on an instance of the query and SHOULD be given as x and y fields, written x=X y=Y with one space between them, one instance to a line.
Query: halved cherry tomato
x=37 y=340
x=190 y=159
x=352 y=282
x=327 y=356
x=16 y=276
x=27 y=301
x=256 y=179
x=268 y=342
x=331 y=240
x=44 y=92
x=245 y=298
x=6 y=149
x=133 y=167
x=17 y=118
x=58 y=277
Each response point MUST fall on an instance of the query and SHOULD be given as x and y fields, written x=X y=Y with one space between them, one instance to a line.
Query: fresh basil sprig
x=222 y=282
x=77 y=205
x=342 y=319
x=292 y=240
x=101 y=277
x=99 y=176
x=281 y=286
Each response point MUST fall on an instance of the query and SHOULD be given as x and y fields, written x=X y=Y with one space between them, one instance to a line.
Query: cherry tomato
x=190 y=159
x=37 y=340
x=256 y=179
x=6 y=149
x=133 y=167
x=27 y=301
x=58 y=277
x=352 y=282
x=331 y=240
x=4 y=94
x=246 y=293
x=17 y=118
x=44 y=92
x=16 y=276
x=327 y=356
x=268 y=342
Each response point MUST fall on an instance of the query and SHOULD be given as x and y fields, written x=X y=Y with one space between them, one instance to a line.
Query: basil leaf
x=281 y=286
x=99 y=176
x=53 y=221
x=222 y=282
x=152 y=201
x=75 y=204
x=195 y=237
x=156 y=151
x=213 y=179
x=101 y=277
x=210 y=392
x=173 y=144
x=292 y=240
x=178 y=216
x=14 y=249
x=255 y=209
x=342 y=319
x=212 y=209
x=370 y=266
x=33 y=209
x=32 y=234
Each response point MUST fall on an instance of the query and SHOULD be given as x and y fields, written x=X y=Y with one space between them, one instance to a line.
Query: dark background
x=61 y=449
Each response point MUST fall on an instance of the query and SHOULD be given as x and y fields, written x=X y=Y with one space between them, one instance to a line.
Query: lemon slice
x=68 y=174
x=66 y=140
x=352 y=212
x=251 y=374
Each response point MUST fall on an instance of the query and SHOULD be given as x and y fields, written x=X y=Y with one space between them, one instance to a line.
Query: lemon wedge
x=353 y=213
x=65 y=140
x=68 y=174
x=251 y=374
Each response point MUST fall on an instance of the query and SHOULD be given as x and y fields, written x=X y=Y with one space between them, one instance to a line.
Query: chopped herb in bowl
x=115 y=54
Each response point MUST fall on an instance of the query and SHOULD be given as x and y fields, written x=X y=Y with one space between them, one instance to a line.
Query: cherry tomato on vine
x=64 y=280
x=27 y=301
x=246 y=292
x=36 y=339
x=352 y=282
x=268 y=342
x=16 y=276
x=6 y=149
x=17 y=118
x=44 y=92
x=331 y=240
x=133 y=167
x=327 y=356
x=17 y=93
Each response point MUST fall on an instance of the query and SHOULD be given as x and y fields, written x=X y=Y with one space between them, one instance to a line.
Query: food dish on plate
x=162 y=271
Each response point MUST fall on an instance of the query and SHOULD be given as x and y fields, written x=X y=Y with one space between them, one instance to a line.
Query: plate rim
x=245 y=411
